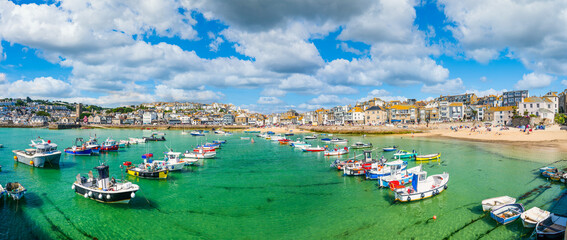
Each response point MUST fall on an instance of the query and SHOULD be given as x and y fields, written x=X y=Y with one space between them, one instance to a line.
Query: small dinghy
x=219 y=141
x=428 y=157
x=313 y=149
x=402 y=177
x=507 y=213
x=389 y=149
x=552 y=227
x=15 y=190
x=361 y=145
x=310 y=137
x=103 y=189
x=401 y=154
x=493 y=203
x=200 y=154
x=534 y=215
x=339 y=141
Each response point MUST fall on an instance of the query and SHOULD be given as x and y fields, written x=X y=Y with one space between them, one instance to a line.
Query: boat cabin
x=367 y=156
x=103 y=181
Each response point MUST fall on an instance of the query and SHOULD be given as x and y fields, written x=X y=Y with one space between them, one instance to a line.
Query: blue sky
x=280 y=54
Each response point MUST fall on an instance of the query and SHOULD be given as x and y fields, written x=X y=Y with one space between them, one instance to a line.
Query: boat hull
x=123 y=196
x=112 y=148
x=428 y=157
x=501 y=214
x=38 y=160
x=86 y=152
x=162 y=174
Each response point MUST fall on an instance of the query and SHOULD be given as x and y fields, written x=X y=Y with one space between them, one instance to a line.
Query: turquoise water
x=268 y=191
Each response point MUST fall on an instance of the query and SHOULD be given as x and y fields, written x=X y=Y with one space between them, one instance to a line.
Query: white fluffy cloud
x=382 y=94
x=269 y=100
x=487 y=92
x=452 y=86
x=534 y=80
x=325 y=99
x=532 y=31
x=2 y=78
x=174 y=94
x=43 y=87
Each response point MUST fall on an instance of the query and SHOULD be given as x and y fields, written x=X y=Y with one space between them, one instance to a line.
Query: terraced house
x=402 y=114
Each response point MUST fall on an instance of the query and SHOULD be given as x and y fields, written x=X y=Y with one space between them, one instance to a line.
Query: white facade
x=149 y=117
x=541 y=107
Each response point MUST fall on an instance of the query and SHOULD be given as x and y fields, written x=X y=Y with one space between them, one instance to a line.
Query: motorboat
x=123 y=143
x=336 y=152
x=421 y=187
x=219 y=141
x=249 y=131
x=244 y=138
x=171 y=161
x=531 y=217
x=339 y=141
x=41 y=154
x=79 y=148
x=428 y=157
x=507 y=213
x=403 y=177
x=402 y=154
x=103 y=189
x=378 y=170
x=493 y=203
x=361 y=145
x=147 y=169
x=288 y=134
x=219 y=132
x=199 y=153
x=156 y=136
x=326 y=140
x=284 y=141
x=353 y=168
x=197 y=133
x=390 y=149
x=310 y=137
x=552 y=227
x=15 y=190
x=299 y=143
x=110 y=145
x=137 y=140
x=313 y=149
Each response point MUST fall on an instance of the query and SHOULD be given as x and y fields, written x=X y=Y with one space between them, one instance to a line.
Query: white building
x=501 y=115
x=149 y=117
x=539 y=106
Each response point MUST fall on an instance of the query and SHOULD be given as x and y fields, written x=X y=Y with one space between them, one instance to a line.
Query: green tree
x=560 y=118
x=83 y=115
x=20 y=103
x=42 y=113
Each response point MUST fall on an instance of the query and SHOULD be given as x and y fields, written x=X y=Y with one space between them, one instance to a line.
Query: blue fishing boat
x=545 y=169
x=271 y=133
x=378 y=170
x=219 y=141
x=79 y=148
x=326 y=139
x=389 y=149
x=507 y=213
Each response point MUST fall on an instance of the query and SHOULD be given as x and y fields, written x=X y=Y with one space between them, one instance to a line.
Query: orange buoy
x=434 y=217
x=15 y=158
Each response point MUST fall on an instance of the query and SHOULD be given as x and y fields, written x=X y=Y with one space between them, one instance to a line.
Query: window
x=524 y=105
x=531 y=105
x=538 y=105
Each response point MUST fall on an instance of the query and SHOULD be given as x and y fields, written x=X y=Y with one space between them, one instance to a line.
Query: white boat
x=171 y=161
x=123 y=143
x=41 y=154
x=310 y=137
x=339 y=141
x=336 y=152
x=396 y=174
x=220 y=132
x=137 y=140
x=493 y=203
x=184 y=133
x=103 y=189
x=421 y=187
x=299 y=144
x=244 y=138
x=277 y=137
x=200 y=154
x=1 y=146
x=534 y=215
x=354 y=168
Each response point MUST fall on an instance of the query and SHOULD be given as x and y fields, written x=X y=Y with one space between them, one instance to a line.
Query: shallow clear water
x=267 y=191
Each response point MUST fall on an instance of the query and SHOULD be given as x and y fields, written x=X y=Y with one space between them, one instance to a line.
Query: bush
x=560 y=118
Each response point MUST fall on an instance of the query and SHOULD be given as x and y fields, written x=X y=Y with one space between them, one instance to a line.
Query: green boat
x=401 y=154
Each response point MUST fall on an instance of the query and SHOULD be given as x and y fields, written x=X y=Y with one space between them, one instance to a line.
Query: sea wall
x=362 y=129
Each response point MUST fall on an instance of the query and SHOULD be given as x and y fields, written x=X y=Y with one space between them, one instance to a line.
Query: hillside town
x=498 y=110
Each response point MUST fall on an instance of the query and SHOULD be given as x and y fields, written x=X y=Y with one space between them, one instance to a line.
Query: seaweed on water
x=66 y=218
x=54 y=227
x=487 y=232
x=466 y=225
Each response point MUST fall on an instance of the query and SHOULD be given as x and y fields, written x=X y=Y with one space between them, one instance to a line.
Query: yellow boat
x=147 y=173
x=428 y=157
